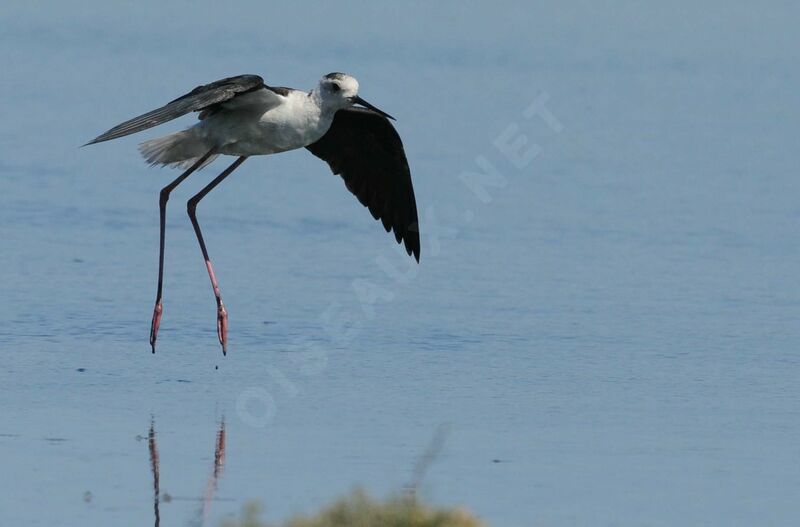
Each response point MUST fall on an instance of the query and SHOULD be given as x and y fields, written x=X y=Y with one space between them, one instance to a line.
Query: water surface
x=606 y=323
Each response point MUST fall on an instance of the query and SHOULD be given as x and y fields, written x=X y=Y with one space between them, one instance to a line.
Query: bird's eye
x=335 y=87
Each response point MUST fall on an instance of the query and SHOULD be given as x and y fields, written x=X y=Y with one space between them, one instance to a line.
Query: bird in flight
x=242 y=116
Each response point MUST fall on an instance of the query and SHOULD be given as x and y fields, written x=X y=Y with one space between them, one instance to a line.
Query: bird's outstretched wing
x=196 y=100
x=364 y=148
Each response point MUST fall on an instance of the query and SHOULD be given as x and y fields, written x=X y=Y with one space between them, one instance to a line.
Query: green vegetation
x=358 y=509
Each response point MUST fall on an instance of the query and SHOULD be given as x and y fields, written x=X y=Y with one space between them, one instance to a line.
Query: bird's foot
x=154 y=325
x=222 y=327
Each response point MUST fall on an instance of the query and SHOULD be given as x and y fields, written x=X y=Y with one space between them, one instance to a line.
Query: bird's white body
x=260 y=122
x=296 y=121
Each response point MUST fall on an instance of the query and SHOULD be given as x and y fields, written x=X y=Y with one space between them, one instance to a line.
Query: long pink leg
x=162 y=207
x=191 y=207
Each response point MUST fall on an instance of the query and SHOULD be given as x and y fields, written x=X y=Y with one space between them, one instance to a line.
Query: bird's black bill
x=365 y=104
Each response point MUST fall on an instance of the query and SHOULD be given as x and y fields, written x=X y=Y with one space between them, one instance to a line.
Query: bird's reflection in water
x=153 y=446
x=219 y=464
x=211 y=484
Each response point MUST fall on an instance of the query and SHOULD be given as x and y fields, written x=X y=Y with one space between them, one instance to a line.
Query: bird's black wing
x=196 y=100
x=364 y=148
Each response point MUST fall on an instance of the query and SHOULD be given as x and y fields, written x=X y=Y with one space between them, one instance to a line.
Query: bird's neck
x=311 y=115
x=326 y=108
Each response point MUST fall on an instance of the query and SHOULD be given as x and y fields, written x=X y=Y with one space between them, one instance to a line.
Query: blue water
x=605 y=321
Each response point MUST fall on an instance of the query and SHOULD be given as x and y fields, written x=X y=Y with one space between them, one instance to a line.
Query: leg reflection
x=216 y=473
x=211 y=484
x=153 y=446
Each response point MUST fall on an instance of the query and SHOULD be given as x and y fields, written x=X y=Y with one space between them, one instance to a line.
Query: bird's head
x=339 y=90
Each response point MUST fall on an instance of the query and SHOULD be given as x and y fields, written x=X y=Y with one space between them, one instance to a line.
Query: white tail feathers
x=179 y=150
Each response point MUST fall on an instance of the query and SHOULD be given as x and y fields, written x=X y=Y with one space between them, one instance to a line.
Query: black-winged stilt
x=242 y=116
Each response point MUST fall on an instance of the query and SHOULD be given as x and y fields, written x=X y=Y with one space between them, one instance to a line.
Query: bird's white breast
x=255 y=130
